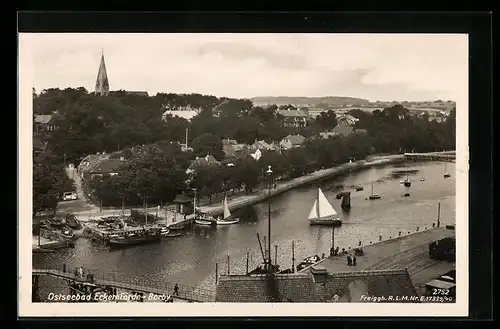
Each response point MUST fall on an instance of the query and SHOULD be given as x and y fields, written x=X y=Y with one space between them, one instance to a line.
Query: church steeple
x=102 y=83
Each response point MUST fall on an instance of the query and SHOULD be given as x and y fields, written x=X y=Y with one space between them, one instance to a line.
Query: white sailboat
x=322 y=212
x=227 y=219
x=407 y=181
x=423 y=177
x=374 y=196
x=446 y=173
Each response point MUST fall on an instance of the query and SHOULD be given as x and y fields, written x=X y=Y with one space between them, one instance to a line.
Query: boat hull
x=204 y=222
x=325 y=221
x=120 y=243
x=228 y=221
x=177 y=228
x=172 y=235
x=374 y=197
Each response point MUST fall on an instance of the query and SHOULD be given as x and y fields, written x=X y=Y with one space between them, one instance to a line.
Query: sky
x=386 y=67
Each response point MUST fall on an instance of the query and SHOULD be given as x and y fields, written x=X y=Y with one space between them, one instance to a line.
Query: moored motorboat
x=164 y=231
x=205 y=220
x=359 y=188
x=173 y=234
x=262 y=269
x=308 y=261
x=177 y=227
x=67 y=233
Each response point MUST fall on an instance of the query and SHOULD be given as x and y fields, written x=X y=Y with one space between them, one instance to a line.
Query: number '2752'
x=440 y=292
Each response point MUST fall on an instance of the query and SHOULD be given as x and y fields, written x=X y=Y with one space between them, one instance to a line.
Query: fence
x=135 y=284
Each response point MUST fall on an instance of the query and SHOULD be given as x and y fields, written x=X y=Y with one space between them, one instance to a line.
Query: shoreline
x=247 y=200
x=262 y=195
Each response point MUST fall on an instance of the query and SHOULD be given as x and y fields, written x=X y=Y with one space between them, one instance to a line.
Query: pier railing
x=133 y=284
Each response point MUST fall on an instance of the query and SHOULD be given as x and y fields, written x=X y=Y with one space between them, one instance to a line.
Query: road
x=79 y=205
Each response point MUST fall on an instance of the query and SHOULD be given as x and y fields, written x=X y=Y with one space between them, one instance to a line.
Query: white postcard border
x=29 y=309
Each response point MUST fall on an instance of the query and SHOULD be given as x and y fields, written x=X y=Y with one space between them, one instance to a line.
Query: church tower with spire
x=102 y=83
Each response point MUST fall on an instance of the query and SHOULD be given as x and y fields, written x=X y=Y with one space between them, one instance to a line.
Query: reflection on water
x=191 y=259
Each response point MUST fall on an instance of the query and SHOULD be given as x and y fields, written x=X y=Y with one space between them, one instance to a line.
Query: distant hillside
x=312 y=101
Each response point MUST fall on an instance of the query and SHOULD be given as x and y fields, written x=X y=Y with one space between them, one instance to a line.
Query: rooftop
x=296 y=139
x=43 y=118
x=308 y=287
x=293 y=113
x=107 y=166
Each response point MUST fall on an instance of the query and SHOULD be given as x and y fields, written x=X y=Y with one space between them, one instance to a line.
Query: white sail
x=314 y=213
x=325 y=209
x=227 y=213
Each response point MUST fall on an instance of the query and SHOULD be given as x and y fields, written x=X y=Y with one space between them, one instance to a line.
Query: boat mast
x=372 y=187
x=194 y=197
x=261 y=250
x=317 y=204
x=439 y=214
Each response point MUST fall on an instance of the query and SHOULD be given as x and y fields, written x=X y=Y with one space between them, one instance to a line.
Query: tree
x=247 y=172
x=208 y=144
x=326 y=120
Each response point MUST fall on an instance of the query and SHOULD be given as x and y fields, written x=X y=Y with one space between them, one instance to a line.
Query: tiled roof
x=138 y=93
x=106 y=166
x=293 y=113
x=343 y=129
x=43 y=118
x=296 y=139
x=203 y=161
x=306 y=287
x=228 y=150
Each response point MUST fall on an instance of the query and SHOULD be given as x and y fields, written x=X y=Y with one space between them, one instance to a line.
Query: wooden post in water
x=216 y=273
x=247 y=263
x=227 y=263
x=439 y=214
x=293 y=256
x=276 y=254
x=333 y=237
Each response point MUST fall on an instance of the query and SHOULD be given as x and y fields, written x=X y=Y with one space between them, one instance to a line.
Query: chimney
x=319 y=273
x=206 y=157
x=122 y=159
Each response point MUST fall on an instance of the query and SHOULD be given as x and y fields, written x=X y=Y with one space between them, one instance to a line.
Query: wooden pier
x=94 y=279
x=448 y=156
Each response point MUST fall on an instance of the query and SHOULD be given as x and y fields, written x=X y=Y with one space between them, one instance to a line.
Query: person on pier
x=176 y=290
x=354 y=260
x=349 y=260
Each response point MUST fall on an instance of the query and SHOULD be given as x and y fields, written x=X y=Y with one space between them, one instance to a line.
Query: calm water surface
x=190 y=259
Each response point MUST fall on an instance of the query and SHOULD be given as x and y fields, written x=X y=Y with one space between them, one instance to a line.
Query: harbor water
x=191 y=259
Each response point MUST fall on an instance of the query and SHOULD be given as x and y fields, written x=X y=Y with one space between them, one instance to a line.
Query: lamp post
x=269 y=173
x=194 y=203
